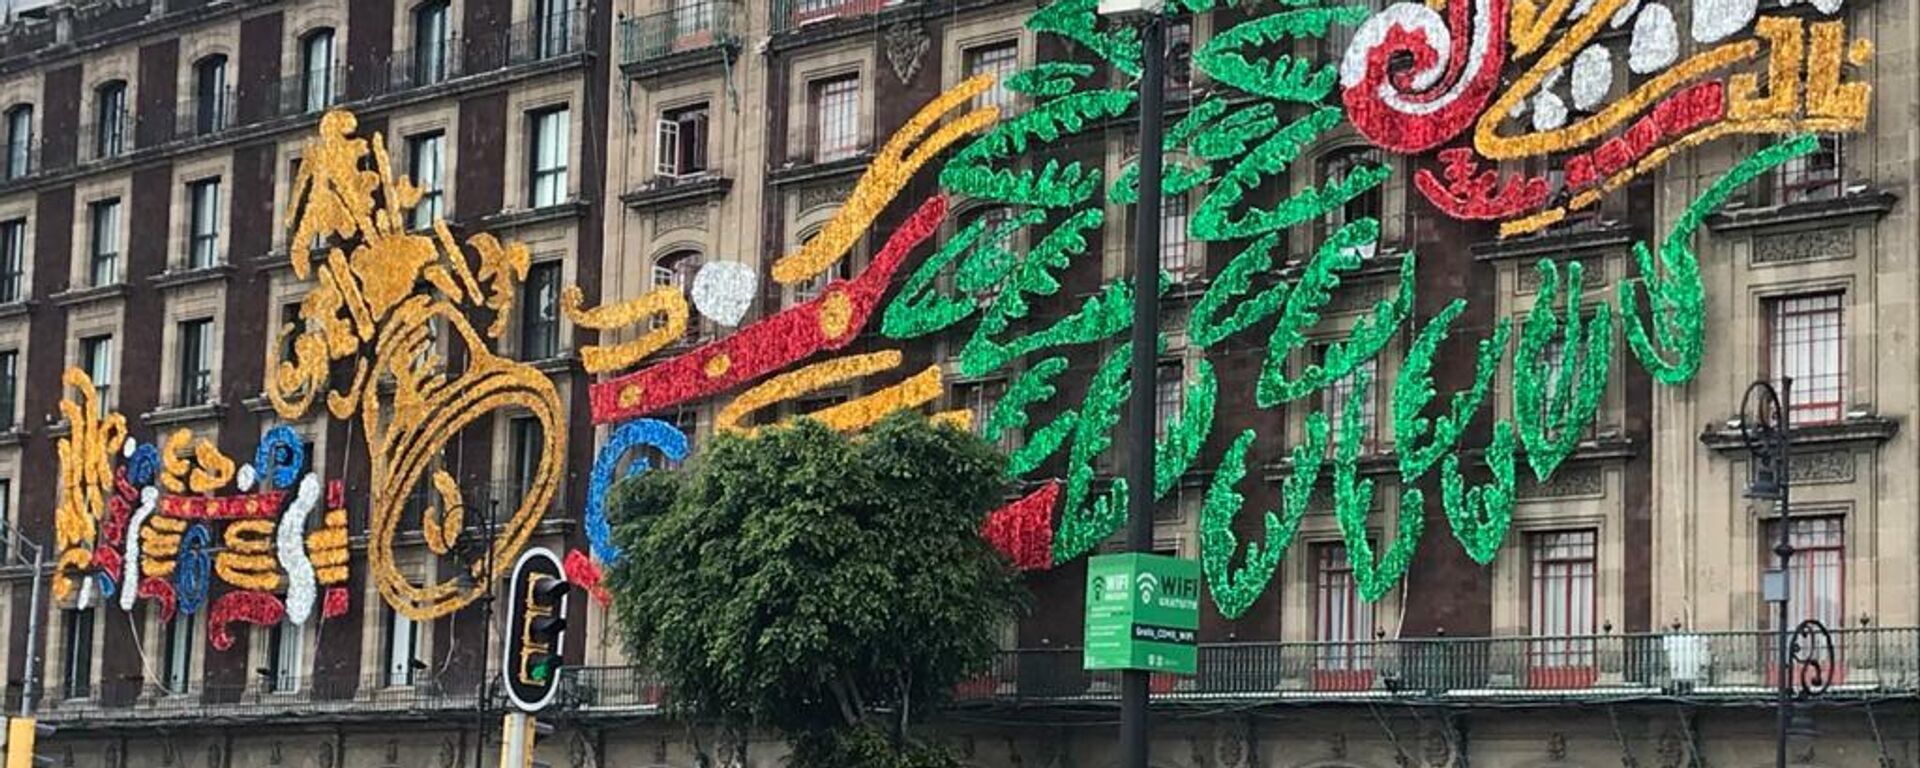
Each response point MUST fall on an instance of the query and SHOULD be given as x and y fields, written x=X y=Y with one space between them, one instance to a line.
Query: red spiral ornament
x=1411 y=81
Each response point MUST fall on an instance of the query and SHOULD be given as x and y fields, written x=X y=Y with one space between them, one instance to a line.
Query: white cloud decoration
x=1716 y=20
x=1592 y=77
x=1656 y=43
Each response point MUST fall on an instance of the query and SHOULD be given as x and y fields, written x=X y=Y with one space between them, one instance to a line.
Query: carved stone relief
x=680 y=217
x=1822 y=467
x=1593 y=275
x=820 y=195
x=1569 y=482
x=1808 y=245
x=907 y=46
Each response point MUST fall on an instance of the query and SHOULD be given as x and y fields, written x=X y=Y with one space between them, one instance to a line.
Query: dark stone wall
x=157 y=94
x=257 y=94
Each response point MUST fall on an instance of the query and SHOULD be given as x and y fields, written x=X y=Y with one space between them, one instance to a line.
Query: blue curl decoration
x=625 y=438
x=282 y=456
x=144 y=466
x=192 y=569
x=106 y=585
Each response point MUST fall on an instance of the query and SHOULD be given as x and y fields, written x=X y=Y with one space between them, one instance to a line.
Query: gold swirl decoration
x=376 y=294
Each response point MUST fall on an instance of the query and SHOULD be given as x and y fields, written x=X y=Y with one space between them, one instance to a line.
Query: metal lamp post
x=1134 y=683
x=1806 y=653
x=38 y=563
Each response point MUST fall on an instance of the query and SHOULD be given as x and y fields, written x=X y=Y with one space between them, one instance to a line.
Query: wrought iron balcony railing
x=1703 y=667
x=1694 y=665
x=696 y=26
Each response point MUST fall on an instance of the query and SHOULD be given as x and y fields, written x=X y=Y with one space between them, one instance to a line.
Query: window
x=836 y=118
x=403 y=646
x=203 y=230
x=1806 y=338
x=555 y=21
x=96 y=358
x=1561 y=608
x=1334 y=169
x=103 y=263
x=812 y=287
x=9 y=388
x=1809 y=177
x=1342 y=623
x=210 y=94
x=110 y=119
x=291 y=326
x=681 y=147
x=430 y=32
x=979 y=398
x=13 y=260
x=427 y=167
x=693 y=24
x=1333 y=399
x=523 y=440
x=19 y=141
x=999 y=60
x=316 y=82
x=549 y=156
x=1169 y=395
x=677 y=270
x=180 y=643
x=1816 y=573
x=540 y=315
x=286 y=657
x=196 y=362
x=6 y=521
x=77 y=667
x=1179 y=73
x=1174 y=244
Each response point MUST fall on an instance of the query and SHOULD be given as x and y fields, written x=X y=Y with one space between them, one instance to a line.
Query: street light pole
x=1134 y=688
x=1765 y=424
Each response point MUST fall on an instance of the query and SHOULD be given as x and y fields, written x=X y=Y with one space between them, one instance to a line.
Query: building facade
x=633 y=144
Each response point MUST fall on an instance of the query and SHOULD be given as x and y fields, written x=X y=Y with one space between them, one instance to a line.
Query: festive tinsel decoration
x=1032 y=386
x=1456 y=66
x=625 y=439
x=582 y=572
x=337 y=602
x=1301 y=312
x=1023 y=529
x=1481 y=516
x=1676 y=297
x=1212 y=220
x=374 y=309
x=281 y=457
x=1080 y=530
x=1187 y=431
x=160 y=591
x=723 y=291
x=256 y=608
x=1101 y=316
x=974 y=172
x=889 y=171
x=1552 y=407
x=1235 y=590
x=830 y=321
x=86 y=478
x=1285 y=78
x=247 y=560
x=1205 y=327
x=149 y=503
x=1413 y=392
x=664 y=304
x=194 y=570
x=922 y=309
x=290 y=545
x=327 y=548
x=1353 y=498
x=1075 y=20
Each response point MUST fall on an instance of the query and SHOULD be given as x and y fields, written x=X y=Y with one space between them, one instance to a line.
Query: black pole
x=1783 y=549
x=1146 y=332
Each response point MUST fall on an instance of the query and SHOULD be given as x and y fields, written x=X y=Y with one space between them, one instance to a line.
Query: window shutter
x=666 y=160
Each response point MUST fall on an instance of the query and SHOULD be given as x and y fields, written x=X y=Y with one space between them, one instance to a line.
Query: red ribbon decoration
x=1023 y=530
x=827 y=322
x=336 y=603
x=257 y=608
x=161 y=591
x=581 y=570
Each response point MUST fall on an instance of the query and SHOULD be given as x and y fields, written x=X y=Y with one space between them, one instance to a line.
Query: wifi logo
x=1147 y=584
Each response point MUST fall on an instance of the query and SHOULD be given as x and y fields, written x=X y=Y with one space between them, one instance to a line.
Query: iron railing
x=1707 y=665
x=204 y=115
x=789 y=15
x=106 y=140
x=303 y=92
x=694 y=26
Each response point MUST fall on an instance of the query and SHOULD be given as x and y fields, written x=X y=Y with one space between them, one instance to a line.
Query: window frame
x=20 y=141
x=1343 y=641
x=432 y=187
x=1801 y=410
x=317 y=84
x=540 y=337
x=1000 y=58
x=109 y=119
x=840 y=93
x=9 y=390
x=203 y=223
x=103 y=229
x=194 y=338
x=432 y=42
x=548 y=155
x=100 y=368
x=77 y=629
x=681 y=137
x=13 y=260
x=212 y=94
x=177 y=675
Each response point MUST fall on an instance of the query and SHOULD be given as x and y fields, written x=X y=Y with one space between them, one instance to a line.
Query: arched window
x=675 y=269
x=1334 y=169
x=316 y=68
x=210 y=94
x=110 y=119
x=554 y=21
x=431 y=29
x=19 y=141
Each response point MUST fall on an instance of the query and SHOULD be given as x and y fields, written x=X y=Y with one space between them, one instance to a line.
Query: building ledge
x=560 y=363
x=13 y=435
x=802 y=171
x=1856 y=204
x=181 y=278
x=1866 y=428
x=653 y=67
x=73 y=297
x=515 y=218
x=186 y=414
x=667 y=191
x=1604 y=237
x=15 y=308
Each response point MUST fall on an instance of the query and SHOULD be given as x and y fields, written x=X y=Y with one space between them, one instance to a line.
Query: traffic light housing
x=536 y=629
x=21 y=735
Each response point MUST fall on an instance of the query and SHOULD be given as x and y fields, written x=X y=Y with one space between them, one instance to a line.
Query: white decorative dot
x=1656 y=42
x=1592 y=77
x=723 y=291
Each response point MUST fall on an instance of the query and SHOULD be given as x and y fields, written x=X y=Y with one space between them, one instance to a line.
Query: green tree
x=832 y=588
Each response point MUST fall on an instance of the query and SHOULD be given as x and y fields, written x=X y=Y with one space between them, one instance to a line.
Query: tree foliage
x=818 y=584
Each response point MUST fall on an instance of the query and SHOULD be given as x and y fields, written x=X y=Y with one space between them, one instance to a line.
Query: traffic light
x=536 y=629
x=21 y=734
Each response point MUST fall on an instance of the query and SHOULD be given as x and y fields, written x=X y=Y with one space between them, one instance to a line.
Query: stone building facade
x=1622 y=624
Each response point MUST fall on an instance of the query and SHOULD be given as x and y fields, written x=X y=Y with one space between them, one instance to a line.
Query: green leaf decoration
x=1284 y=78
x=1420 y=441
x=1081 y=530
x=1481 y=516
x=1035 y=385
x=972 y=171
x=1234 y=590
x=1552 y=407
x=1075 y=20
x=1302 y=311
x=1352 y=498
x=1186 y=433
x=1205 y=328
x=1212 y=220
x=1676 y=299
x=921 y=308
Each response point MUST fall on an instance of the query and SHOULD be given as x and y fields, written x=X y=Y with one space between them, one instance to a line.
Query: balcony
x=791 y=15
x=536 y=40
x=198 y=116
x=691 y=34
x=106 y=140
x=1702 y=666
